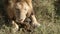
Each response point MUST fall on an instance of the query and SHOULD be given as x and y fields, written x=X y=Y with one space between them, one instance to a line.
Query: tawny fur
x=19 y=10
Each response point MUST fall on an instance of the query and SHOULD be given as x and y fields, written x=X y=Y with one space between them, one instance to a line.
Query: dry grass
x=48 y=15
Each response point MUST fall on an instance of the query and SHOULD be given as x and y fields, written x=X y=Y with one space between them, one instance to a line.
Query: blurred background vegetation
x=47 y=14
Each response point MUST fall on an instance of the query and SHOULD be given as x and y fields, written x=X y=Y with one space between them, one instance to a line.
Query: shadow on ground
x=57 y=7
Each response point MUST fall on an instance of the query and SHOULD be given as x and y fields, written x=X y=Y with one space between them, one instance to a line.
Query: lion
x=18 y=10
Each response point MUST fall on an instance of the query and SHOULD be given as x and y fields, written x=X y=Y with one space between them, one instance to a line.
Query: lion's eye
x=18 y=0
x=17 y=10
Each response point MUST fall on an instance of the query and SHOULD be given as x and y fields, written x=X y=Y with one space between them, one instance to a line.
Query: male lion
x=18 y=10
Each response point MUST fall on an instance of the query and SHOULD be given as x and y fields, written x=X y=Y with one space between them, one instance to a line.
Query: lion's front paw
x=35 y=24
